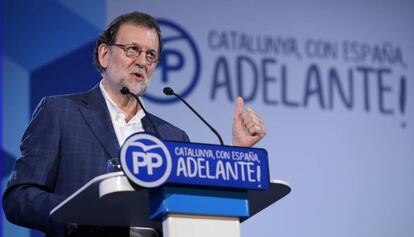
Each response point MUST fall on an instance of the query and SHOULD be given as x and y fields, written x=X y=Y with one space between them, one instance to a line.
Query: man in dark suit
x=71 y=137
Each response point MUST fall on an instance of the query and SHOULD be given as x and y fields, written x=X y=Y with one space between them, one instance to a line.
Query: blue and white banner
x=150 y=162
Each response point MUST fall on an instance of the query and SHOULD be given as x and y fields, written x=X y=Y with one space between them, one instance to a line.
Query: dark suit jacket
x=67 y=143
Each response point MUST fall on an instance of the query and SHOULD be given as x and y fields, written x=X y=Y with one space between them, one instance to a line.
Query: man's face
x=121 y=70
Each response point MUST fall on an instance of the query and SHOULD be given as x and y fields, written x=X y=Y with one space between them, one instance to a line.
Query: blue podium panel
x=194 y=201
x=150 y=162
x=221 y=166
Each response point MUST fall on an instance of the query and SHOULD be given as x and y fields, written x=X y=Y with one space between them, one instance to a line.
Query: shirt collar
x=117 y=113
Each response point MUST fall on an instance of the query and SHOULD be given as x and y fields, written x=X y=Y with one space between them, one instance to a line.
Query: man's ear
x=103 y=55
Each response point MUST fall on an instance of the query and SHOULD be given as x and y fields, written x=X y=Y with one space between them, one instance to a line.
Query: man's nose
x=141 y=60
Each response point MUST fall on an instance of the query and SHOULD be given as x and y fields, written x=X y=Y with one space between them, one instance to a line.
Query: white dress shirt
x=122 y=129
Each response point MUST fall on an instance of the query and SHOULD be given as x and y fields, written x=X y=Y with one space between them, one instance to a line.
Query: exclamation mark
x=403 y=98
x=259 y=175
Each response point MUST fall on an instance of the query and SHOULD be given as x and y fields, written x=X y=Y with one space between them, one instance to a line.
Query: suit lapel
x=96 y=114
x=146 y=124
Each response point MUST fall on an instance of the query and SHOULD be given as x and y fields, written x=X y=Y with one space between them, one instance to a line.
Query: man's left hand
x=248 y=127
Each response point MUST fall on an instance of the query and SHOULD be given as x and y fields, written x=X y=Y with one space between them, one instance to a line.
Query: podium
x=187 y=189
x=111 y=200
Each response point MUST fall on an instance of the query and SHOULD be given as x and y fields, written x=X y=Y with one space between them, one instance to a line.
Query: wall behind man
x=332 y=80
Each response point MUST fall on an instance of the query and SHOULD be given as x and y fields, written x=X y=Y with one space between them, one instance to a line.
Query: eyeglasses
x=133 y=51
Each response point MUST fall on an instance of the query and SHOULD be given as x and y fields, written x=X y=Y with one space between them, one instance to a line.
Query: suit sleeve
x=30 y=196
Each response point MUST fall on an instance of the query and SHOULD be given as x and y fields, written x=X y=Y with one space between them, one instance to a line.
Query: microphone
x=125 y=91
x=169 y=91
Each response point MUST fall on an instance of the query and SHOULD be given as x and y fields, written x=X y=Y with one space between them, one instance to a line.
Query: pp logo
x=145 y=160
x=179 y=65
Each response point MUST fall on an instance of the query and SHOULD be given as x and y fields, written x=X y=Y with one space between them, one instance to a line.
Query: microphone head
x=168 y=91
x=124 y=90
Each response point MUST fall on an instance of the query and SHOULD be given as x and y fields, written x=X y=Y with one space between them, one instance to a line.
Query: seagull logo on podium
x=146 y=160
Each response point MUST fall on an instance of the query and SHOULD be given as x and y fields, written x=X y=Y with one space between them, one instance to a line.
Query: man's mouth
x=138 y=76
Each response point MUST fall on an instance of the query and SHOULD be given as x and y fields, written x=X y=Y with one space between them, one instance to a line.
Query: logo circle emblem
x=179 y=65
x=145 y=160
